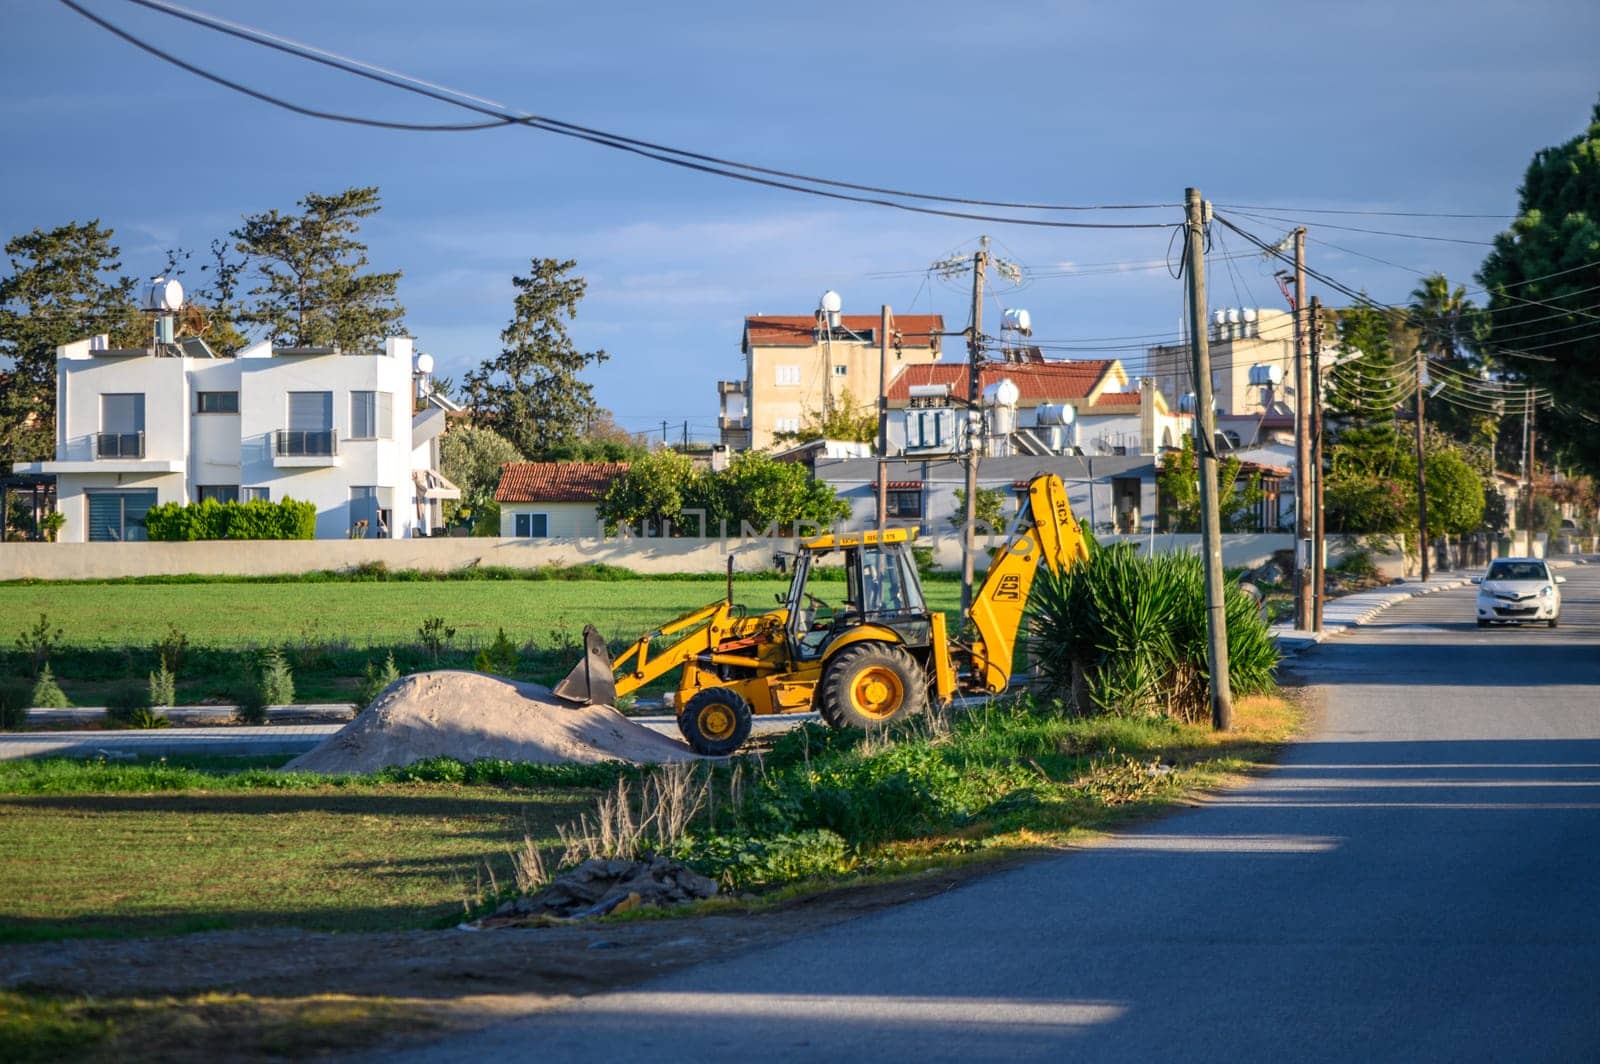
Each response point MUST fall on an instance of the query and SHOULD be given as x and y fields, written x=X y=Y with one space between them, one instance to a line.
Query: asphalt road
x=1417 y=880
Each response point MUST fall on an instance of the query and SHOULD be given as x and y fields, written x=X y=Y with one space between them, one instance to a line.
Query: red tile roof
x=800 y=330
x=1116 y=399
x=1038 y=382
x=556 y=481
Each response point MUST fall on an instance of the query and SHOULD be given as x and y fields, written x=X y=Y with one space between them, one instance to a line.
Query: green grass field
x=333 y=629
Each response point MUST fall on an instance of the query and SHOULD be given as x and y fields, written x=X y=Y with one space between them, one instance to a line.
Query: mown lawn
x=332 y=630
x=356 y=857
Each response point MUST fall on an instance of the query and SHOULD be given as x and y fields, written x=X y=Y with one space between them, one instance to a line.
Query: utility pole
x=1302 y=444
x=1531 y=461
x=1422 y=472
x=885 y=323
x=969 y=545
x=663 y=432
x=686 y=436
x=1319 y=557
x=1206 y=447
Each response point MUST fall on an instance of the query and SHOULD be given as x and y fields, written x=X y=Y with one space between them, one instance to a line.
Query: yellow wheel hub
x=717 y=721
x=877 y=692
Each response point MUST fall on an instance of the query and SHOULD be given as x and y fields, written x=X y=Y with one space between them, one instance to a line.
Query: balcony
x=118 y=445
x=305 y=447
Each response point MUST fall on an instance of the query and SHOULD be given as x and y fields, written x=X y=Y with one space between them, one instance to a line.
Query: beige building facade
x=798 y=366
x=1242 y=340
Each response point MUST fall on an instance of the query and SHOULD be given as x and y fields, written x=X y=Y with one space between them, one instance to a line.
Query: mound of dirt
x=472 y=717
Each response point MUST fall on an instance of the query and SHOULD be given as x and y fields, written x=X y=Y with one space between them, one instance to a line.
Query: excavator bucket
x=591 y=682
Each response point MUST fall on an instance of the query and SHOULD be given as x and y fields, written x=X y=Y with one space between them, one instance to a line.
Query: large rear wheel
x=716 y=722
x=871 y=684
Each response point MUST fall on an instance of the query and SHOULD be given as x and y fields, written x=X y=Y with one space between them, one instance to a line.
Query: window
x=371 y=415
x=788 y=375
x=252 y=494
x=118 y=516
x=905 y=503
x=532 y=526
x=310 y=429
x=216 y=492
x=121 y=426
x=216 y=402
x=786 y=424
x=841 y=371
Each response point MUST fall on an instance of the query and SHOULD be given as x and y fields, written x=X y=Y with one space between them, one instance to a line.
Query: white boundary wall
x=101 y=561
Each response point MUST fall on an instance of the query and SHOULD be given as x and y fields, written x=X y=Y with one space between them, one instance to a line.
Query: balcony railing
x=119 y=445
x=304 y=443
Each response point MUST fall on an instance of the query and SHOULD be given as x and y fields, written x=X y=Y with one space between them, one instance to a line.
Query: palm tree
x=1448 y=327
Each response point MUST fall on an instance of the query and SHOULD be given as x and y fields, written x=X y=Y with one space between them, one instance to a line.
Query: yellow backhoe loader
x=873 y=654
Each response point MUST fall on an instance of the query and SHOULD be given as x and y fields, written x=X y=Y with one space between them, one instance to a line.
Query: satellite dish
x=424 y=363
x=831 y=302
x=163 y=296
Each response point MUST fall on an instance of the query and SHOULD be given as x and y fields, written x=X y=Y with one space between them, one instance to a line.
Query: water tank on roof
x=1003 y=393
x=163 y=296
x=424 y=364
x=1266 y=375
x=1017 y=320
x=1250 y=313
x=831 y=303
x=1233 y=315
x=1055 y=414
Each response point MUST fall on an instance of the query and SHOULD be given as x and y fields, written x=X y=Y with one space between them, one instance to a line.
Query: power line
x=499 y=116
x=1373 y=232
x=1242 y=207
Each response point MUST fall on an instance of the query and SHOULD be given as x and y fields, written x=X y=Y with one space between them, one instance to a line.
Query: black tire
x=869 y=685
x=1552 y=622
x=716 y=722
x=1483 y=624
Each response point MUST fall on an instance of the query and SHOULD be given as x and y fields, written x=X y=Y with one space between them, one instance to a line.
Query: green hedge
x=256 y=519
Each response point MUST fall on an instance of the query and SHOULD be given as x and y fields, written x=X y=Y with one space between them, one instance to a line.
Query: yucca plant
x=1125 y=634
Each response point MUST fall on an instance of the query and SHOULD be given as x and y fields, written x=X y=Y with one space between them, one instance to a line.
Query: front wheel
x=871 y=684
x=716 y=722
x=1553 y=621
x=1482 y=623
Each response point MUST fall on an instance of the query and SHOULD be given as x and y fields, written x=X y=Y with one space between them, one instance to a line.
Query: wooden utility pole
x=885 y=323
x=1531 y=461
x=1422 y=473
x=1206 y=448
x=969 y=545
x=1319 y=556
x=1302 y=444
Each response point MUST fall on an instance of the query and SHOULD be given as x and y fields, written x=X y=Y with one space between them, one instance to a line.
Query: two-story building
x=1252 y=373
x=798 y=366
x=342 y=430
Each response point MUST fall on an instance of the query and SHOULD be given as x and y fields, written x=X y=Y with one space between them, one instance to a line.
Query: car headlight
x=1547 y=591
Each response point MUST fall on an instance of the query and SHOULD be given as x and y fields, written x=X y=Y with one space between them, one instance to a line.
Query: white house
x=340 y=430
x=553 y=500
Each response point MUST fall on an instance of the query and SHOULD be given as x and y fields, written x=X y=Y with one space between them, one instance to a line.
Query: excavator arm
x=1045 y=532
x=597 y=680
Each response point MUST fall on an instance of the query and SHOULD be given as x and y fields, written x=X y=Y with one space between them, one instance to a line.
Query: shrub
x=256 y=519
x=252 y=706
x=1126 y=634
x=498 y=658
x=16 y=697
x=126 y=701
x=47 y=694
x=145 y=717
x=277 y=682
x=163 y=686
x=377 y=680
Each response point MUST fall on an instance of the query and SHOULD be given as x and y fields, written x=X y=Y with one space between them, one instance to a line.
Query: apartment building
x=1252 y=369
x=343 y=431
x=796 y=366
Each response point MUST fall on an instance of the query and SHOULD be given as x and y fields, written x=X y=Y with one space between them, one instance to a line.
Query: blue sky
x=1382 y=106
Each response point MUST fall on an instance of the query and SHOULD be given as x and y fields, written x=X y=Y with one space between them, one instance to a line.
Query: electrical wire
x=1242 y=207
x=498 y=117
x=1372 y=232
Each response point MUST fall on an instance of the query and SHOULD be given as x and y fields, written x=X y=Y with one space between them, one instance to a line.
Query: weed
x=146 y=717
x=377 y=680
x=434 y=636
x=277 y=681
x=125 y=700
x=163 y=686
x=170 y=650
x=499 y=658
x=36 y=642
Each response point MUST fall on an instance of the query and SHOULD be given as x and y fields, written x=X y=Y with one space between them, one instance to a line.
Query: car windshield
x=1517 y=571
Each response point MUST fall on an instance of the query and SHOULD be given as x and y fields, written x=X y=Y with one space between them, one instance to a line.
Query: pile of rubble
x=600 y=886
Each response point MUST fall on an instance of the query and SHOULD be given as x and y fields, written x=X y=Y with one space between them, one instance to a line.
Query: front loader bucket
x=591 y=682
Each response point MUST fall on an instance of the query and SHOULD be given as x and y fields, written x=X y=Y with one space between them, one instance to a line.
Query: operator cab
x=880 y=587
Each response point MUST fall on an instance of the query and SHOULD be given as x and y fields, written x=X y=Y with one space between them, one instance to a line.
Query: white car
x=1516 y=590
